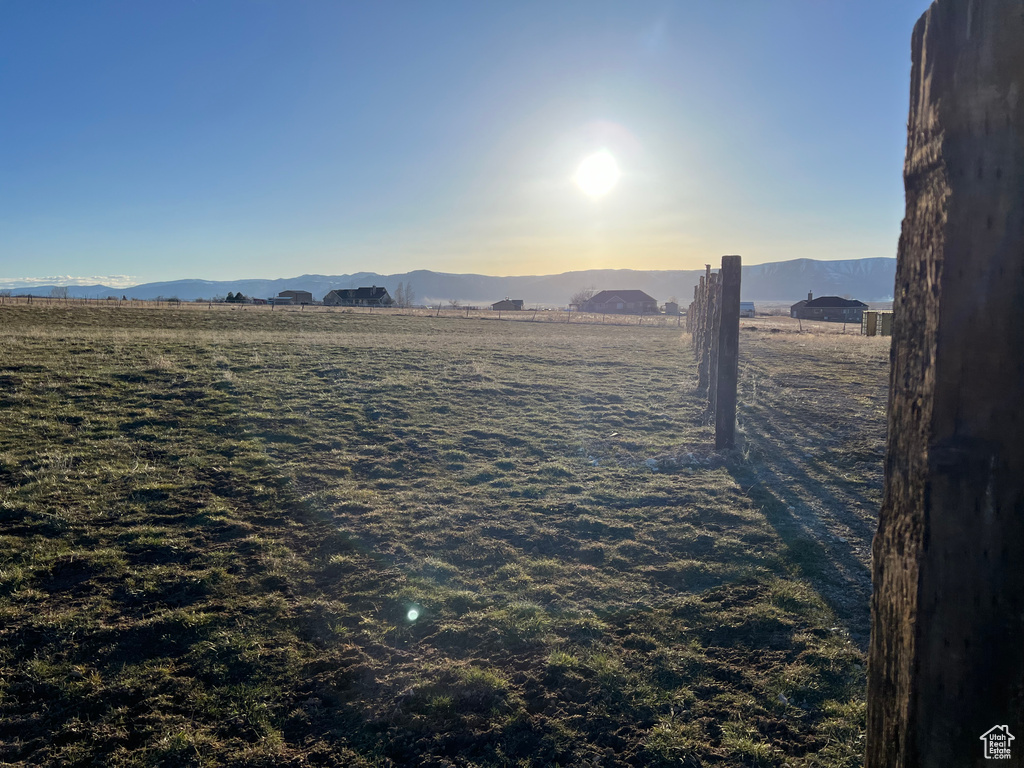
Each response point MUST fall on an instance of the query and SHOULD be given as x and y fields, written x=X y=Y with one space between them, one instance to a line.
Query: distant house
x=278 y=300
x=297 y=297
x=796 y=309
x=829 y=308
x=507 y=303
x=671 y=308
x=622 y=302
x=373 y=296
x=747 y=309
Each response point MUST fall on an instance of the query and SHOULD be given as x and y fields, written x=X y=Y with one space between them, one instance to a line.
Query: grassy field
x=290 y=539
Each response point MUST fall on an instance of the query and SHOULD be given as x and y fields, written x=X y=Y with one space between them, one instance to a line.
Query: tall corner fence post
x=945 y=664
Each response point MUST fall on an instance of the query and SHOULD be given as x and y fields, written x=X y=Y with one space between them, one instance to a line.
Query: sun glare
x=598 y=174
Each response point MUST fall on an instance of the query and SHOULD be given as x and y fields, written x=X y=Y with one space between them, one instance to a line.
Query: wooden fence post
x=714 y=320
x=698 y=314
x=704 y=339
x=728 y=353
x=946 y=667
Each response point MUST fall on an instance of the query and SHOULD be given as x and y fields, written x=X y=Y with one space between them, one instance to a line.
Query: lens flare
x=413 y=614
x=598 y=174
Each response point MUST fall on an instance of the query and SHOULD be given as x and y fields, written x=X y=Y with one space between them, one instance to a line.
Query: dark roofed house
x=621 y=302
x=507 y=303
x=373 y=296
x=832 y=309
x=796 y=309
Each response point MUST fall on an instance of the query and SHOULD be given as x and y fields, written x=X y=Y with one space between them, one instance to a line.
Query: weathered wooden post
x=698 y=313
x=728 y=353
x=690 y=311
x=946 y=669
x=714 y=320
x=705 y=371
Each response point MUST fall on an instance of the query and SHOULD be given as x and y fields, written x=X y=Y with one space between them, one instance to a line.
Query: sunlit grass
x=217 y=527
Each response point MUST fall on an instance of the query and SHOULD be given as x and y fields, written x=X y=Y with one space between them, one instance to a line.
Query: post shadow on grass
x=845 y=498
x=831 y=566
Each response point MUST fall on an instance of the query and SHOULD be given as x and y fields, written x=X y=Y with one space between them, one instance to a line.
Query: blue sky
x=220 y=140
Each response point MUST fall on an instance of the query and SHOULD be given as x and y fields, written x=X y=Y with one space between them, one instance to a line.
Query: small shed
x=876 y=322
x=747 y=309
x=671 y=308
x=514 y=305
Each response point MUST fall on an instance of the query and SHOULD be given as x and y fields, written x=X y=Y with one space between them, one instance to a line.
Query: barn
x=297 y=297
x=514 y=305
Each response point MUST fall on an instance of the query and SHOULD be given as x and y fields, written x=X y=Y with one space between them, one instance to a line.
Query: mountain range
x=870 y=279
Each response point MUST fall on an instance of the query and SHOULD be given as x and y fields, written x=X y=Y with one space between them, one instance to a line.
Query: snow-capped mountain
x=784 y=281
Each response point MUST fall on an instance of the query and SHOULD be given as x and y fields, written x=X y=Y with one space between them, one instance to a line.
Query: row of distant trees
x=404 y=295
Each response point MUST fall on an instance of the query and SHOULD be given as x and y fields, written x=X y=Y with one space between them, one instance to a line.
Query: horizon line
x=31 y=282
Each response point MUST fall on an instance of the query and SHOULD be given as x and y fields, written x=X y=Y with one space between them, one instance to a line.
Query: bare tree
x=453 y=303
x=59 y=292
x=581 y=297
x=404 y=295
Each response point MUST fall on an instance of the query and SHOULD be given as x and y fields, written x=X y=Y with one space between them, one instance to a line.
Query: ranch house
x=831 y=309
x=373 y=296
x=621 y=302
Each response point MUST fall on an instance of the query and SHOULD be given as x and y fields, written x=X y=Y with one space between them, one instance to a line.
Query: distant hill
x=782 y=281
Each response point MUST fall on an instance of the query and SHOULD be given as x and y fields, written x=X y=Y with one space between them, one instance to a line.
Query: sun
x=598 y=174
